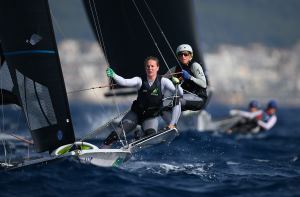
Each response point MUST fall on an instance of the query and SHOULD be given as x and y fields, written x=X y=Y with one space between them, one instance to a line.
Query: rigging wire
x=98 y=27
x=2 y=113
x=163 y=34
x=111 y=121
x=98 y=129
x=153 y=39
x=101 y=39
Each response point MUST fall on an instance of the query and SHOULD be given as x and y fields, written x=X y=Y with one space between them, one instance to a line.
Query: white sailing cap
x=184 y=47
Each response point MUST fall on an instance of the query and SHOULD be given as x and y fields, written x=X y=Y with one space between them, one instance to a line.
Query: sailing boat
x=30 y=50
x=129 y=30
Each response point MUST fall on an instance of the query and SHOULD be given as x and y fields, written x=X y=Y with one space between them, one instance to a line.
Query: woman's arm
x=268 y=125
x=199 y=76
x=166 y=84
x=245 y=114
x=133 y=82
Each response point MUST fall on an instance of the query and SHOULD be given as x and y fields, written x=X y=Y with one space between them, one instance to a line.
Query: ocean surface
x=194 y=164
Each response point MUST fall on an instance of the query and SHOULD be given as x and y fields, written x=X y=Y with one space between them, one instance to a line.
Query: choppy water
x=195 y=164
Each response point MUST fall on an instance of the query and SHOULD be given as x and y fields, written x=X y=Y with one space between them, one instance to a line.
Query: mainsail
x=30 y=51
x=6 y=85
x=123 y=30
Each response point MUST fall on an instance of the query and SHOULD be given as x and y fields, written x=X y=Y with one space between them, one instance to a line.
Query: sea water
x=194 y=164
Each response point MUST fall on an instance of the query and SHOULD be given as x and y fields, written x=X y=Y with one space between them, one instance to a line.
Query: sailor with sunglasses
x=146 y=109
x=193 y=79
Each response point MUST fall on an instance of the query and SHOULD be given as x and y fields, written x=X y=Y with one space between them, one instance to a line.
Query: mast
x=31 y=54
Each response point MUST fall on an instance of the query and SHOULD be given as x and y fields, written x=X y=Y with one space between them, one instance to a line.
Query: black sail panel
x=7 y=97
x=124 y=37
x=30 y=51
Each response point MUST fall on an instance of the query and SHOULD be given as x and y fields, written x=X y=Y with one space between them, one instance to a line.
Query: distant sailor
x=193 y=79
x=269 y=117
x=146 y=109
x=248 y=121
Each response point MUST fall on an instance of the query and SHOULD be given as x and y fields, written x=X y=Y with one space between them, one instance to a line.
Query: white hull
x=166 y=136
x=91 y=154
x=202 y=121
x=104 y=157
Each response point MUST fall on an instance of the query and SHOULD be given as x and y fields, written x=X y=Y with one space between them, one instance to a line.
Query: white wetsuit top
x=268 y=125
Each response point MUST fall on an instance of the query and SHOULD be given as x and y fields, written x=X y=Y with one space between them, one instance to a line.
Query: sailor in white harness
x=147 y=107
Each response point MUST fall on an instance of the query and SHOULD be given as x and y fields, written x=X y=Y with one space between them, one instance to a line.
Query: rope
x=19 y=138
x=170 y=74
x=86 y=89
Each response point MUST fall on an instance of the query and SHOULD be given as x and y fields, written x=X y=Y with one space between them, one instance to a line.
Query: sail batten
x=29 y=46
x=24 y=52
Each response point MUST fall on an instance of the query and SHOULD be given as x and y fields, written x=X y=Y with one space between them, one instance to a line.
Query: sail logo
x=155 y=92
x=59 y=135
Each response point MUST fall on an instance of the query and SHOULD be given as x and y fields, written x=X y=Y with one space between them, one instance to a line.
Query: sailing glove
x=110 y=72
x=185 y=74
x=175 y=80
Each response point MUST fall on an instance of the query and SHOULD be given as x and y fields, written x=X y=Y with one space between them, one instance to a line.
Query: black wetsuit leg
x=192 y=102
x=128 y=123
x=150 y=125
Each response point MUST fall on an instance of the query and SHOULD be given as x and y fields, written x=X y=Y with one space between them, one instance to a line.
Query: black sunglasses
x=183 y=54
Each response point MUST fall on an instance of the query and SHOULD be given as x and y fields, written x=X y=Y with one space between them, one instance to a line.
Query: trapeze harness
x=149 y=101
x=192 y=87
